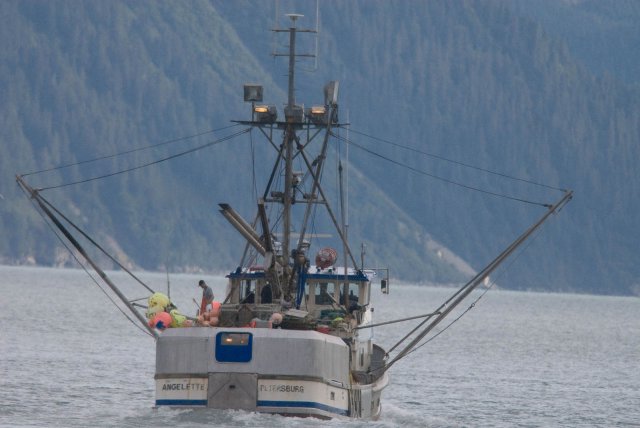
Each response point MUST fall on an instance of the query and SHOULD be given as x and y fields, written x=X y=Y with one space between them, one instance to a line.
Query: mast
x=289 y=138
x=292 y=261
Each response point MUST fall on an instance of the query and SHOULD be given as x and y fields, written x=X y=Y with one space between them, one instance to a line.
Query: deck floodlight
x=317 y=115
x=252 y=93
x=331 y=93
x=265 y=113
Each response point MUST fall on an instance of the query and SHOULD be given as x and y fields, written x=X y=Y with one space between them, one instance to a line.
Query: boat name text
x=282 y=388
x=183 y=387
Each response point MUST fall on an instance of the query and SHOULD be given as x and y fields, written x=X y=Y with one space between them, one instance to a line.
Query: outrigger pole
x=461 y=294
x=42 y=203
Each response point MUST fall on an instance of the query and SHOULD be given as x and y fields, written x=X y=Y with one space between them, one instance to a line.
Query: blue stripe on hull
x=181 y=402
x=303 y=404
x=263 y=403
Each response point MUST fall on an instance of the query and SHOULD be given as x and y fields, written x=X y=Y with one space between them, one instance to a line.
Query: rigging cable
x=84 y=267
x=493 y=282
x=473 y=304
x=488 y=171
x=446 y=180
x=480 y=276
x=253 y=167
x=105 y=252
x=186 y=152
x=129 y=151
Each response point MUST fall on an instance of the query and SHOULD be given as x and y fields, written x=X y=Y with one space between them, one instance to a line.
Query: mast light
x=265 y=113
x=317 y=115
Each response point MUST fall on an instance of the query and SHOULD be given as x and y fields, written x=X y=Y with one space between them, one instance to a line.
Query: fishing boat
x=285 y=297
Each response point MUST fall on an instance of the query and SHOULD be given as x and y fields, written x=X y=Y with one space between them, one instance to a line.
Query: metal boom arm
x=461 y=294
x=35 y=195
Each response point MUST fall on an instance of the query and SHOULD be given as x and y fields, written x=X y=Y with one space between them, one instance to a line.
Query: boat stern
x=302 y=373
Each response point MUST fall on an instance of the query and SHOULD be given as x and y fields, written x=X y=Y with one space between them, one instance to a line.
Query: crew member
x=266 y=295
x=207 y=296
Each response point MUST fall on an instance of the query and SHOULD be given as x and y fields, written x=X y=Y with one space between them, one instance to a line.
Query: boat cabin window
x=357 y=293
x=248 y=291
x=320 y=293
x=323 y=293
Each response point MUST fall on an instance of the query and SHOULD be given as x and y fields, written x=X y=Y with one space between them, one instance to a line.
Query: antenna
x=276 y=24
x=315 y=62
x=168 y=282
x=317 y=35
x=316 y=43
x=293 y=17
x=346 y=202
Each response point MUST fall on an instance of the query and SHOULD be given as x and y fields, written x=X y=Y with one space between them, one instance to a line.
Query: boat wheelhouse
x=245 y=362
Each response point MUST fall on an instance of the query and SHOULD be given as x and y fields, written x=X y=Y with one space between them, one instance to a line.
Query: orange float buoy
x=215 y=309
x=161 y=320
x=276 y=318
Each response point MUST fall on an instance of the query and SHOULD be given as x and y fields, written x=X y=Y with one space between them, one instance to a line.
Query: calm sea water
x=69 y=358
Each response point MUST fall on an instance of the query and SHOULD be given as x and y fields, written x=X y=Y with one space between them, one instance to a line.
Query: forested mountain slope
x=81 y=80
x=476 y=83
x=87 y=80
x=602 y=34
x=468 y=81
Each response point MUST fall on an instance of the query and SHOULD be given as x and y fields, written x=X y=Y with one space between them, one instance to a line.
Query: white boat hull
x=314 y=379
